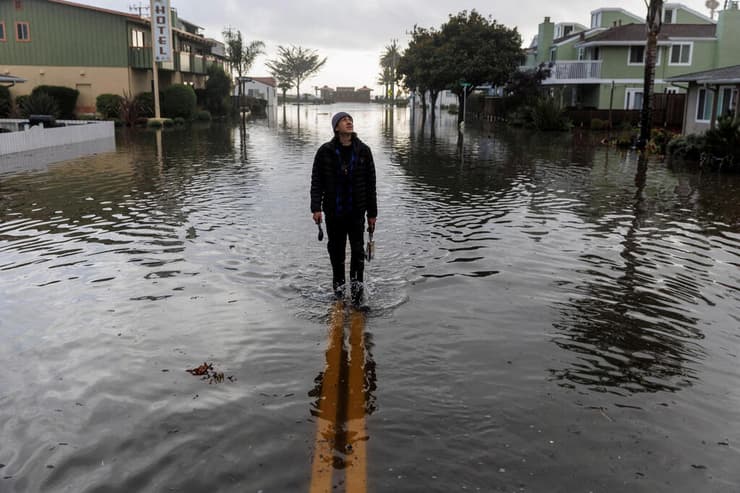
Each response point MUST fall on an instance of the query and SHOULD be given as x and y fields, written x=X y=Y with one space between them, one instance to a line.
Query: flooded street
x=542 y=317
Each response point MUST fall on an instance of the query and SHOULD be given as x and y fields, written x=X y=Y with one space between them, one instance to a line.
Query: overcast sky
x=352 y=33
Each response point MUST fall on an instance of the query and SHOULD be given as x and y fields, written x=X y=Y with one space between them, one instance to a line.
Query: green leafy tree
x=281 y=71
x=421 y=67
x=297 y=64
x=218 y=87
x=477 y=50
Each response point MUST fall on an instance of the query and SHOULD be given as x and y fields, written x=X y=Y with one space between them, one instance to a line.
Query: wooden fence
x=668 y=111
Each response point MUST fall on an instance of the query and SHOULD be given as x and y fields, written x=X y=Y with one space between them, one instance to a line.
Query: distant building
x=350 y=95
x=327 y=94
x=258 y=87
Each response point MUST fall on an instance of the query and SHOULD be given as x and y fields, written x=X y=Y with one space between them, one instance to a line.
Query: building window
x=633 y=99
x=636 y=55
x=137 y=38
x=681 y=54
x=704 y=102
x=18 y=5
x=22 y=31
x=567 y=30
x=726 y=103
x=596 y=19
x=553 y=54
x=669 y=16
x=2 y=31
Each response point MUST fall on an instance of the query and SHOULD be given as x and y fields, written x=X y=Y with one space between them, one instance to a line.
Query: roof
x=635 y=33
x=724 y=75
x=617 y=9
x=132 y=17
x=12 y=79
x=268 y=81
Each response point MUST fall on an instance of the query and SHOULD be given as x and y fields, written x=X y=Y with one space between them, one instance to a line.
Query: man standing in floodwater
x=343 y=187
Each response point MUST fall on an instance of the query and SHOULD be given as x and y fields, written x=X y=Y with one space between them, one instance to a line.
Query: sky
x=352 y=34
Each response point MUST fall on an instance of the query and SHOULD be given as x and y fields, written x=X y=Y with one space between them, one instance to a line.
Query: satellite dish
x=711 y=4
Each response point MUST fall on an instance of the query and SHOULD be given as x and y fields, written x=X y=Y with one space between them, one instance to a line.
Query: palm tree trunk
x=653 y=28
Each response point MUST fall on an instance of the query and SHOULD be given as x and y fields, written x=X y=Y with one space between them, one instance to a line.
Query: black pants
x=339 y=229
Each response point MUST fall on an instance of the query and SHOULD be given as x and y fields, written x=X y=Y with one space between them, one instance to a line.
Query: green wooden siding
x=686 y=17
x=63 y=35
x=611 y=18
x=728 y=35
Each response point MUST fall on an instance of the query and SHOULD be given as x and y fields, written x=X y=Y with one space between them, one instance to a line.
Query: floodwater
x=545 y=315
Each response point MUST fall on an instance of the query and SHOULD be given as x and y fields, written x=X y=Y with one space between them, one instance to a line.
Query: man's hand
x=317 y=217
x=371 y=224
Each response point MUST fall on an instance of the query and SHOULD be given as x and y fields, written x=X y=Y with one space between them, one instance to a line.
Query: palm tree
x=389 y=60
x=297 y=64
x=241 y=56
x=653 y=21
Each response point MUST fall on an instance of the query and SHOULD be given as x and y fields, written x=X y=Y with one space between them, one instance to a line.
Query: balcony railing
x=182 y=61
x=574 y=71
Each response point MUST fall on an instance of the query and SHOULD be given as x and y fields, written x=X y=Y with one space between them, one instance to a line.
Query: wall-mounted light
x=41 y=72
x=82 y=73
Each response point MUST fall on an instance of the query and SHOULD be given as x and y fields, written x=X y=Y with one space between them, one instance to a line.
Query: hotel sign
x=161 y=31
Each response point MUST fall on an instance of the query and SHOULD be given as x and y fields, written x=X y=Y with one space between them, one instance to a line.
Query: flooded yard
x=545 y=315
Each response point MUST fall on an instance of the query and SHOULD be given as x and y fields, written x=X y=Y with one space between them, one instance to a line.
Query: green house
x=95 y=50
x=602 y=66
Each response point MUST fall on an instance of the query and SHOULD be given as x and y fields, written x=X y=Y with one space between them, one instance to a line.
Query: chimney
x=547 y=19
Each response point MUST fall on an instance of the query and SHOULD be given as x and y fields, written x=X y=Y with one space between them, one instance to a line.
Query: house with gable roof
x=602 y=66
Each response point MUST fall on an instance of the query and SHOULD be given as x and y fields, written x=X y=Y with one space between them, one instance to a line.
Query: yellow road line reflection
x=356 y=461
x=326 y=429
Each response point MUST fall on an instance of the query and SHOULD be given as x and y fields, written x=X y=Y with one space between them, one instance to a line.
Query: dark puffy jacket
x=324 y=179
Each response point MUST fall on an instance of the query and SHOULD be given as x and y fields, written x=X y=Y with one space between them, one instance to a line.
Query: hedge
x=65 y=97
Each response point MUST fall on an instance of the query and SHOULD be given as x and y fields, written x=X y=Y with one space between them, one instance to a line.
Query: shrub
x=178 y=101
x=108 y=105
x=203 y=116
x=39 y=103
x=724 y=139
x=145 y=104
x=548 y=115
x=659 y=138
x=686 y=146
x=131 y=109
x=65 y=97
x=20 y=102
x=599 y=124
x=154 y=124
x=178 y=120
x=6 y=103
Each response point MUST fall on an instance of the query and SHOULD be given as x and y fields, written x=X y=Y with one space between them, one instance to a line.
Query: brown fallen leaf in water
x=201 y=370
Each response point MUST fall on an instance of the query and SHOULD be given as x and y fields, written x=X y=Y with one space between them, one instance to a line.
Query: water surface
x=545 y=314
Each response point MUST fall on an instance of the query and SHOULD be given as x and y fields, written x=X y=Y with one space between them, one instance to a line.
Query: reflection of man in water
x=343 y=187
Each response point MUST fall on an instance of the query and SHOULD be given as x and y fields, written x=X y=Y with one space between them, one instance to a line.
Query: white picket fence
x=37 y=137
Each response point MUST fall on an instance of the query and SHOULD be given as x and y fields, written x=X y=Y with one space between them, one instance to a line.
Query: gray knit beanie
x=335 y=119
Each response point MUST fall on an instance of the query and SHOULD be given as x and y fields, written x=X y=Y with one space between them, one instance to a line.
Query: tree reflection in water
x=627 y=335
